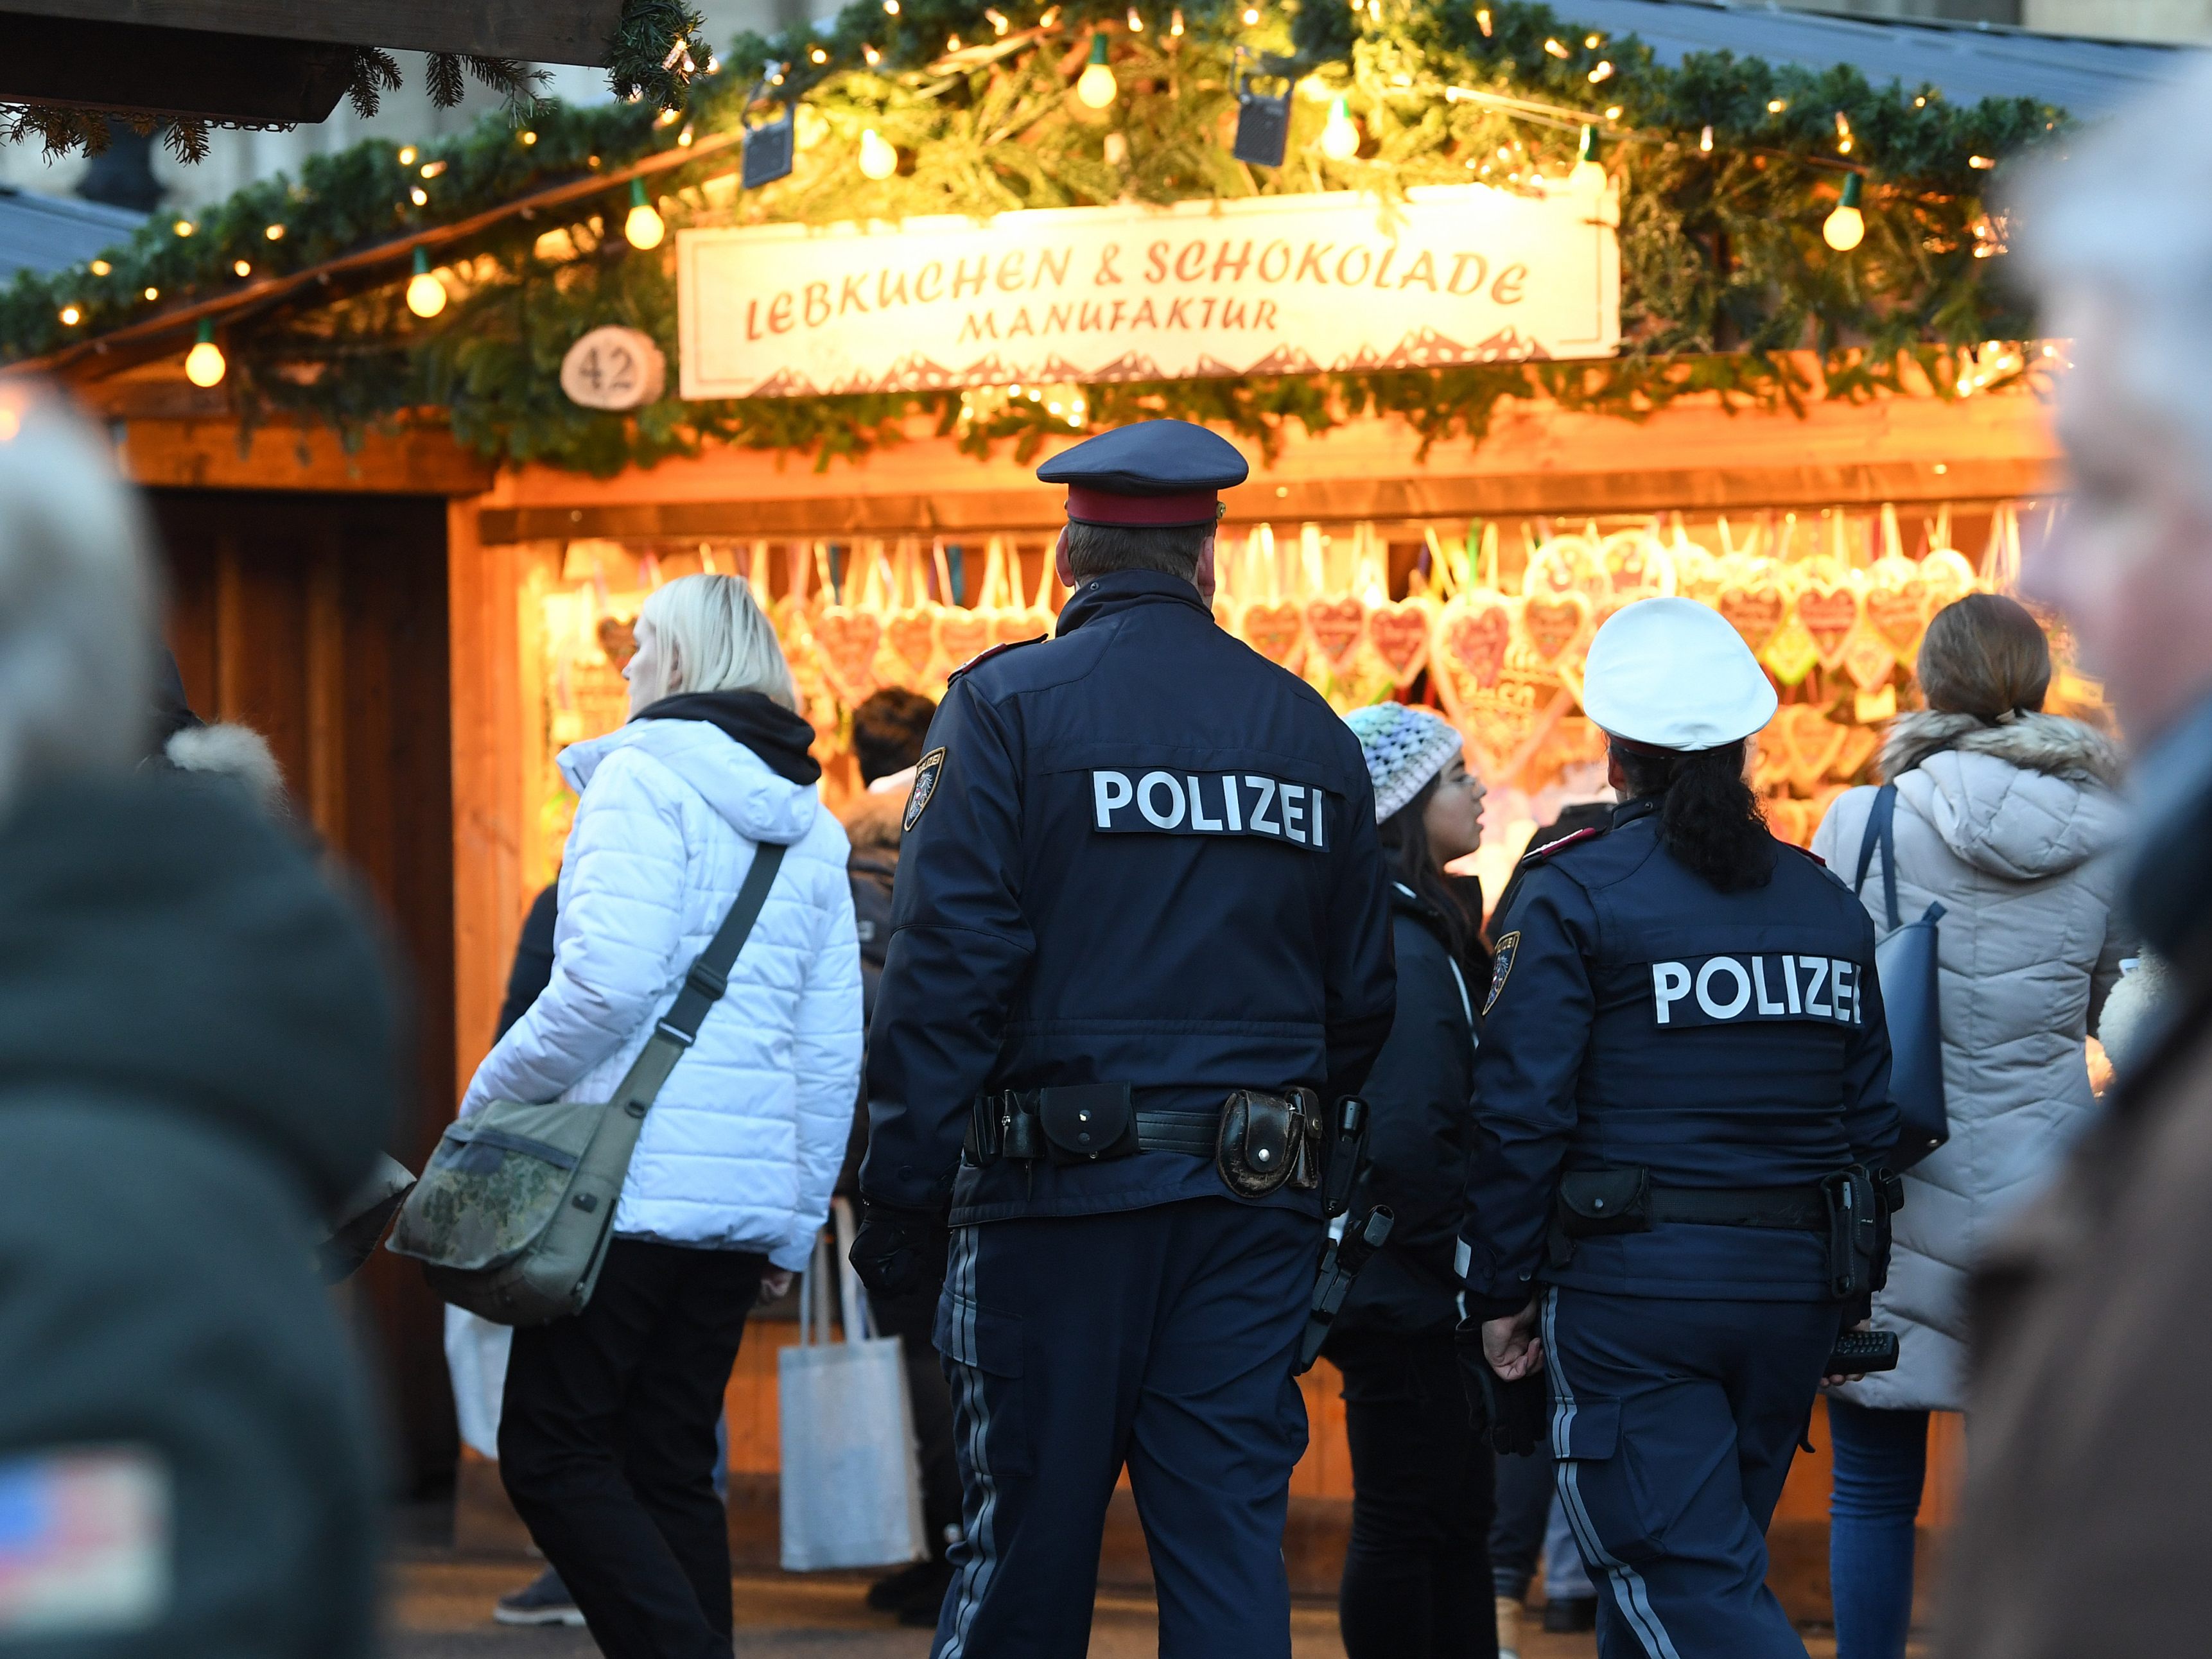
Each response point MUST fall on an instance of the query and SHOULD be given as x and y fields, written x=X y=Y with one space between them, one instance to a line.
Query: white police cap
x=1672 y=674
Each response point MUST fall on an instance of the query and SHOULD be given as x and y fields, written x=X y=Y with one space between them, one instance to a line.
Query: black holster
x=1860 y=1204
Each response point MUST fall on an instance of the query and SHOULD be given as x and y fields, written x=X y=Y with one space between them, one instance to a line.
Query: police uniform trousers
x=1161 y=1339
x=1673 y=1423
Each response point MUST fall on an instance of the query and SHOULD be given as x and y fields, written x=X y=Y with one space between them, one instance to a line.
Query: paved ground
x=442 y=1610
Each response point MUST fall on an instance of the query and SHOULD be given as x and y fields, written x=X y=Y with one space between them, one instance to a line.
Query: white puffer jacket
x=2011 y=828
x=743 y=1146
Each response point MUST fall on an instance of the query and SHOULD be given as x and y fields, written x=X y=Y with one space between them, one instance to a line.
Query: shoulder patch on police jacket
x=1538 y=854
x=1508 y=948
x=927 y=771
x=991 y=651
x=1135 y=802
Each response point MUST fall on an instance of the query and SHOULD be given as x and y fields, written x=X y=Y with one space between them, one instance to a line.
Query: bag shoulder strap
x=1882 y=831
x=704 y=985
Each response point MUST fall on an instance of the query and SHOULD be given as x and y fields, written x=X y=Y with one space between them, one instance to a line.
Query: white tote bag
x=851 y=1479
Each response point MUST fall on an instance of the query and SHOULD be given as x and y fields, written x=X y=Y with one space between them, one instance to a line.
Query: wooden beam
x=108 y=63
x=490 y=815
x=417 y=461
x=538 y=31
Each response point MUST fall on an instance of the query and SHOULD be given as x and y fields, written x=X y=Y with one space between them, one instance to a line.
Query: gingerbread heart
x=1831 y=615
x=1948 y=577
x=1474 y=640
x=1810 y=742
x=1335 y=627
x=962 y=636
x=1016 y=627
x=1400 y=635
x=1790 y=655
x=1275 y=631
x=912 y=636
x=1898 y=609
x=1551 y=625
x=1755 y=612
x=1868 y=660
x=846 y=641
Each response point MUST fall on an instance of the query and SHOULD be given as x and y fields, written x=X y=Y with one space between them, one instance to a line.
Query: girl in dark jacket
x=1417 y=1583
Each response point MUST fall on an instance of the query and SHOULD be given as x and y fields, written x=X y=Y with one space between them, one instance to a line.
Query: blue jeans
x=1881 y=1462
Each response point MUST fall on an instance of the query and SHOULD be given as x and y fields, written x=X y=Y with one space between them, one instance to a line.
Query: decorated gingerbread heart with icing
x=1399 y=636
x=1335 y=627
x=1753 y=610
x=962 y=636
x=1830 y=613
x=1276 y=632
x=1551 y=625
x=912 y=636
x=847 y=640
x=1897 y=605
x=1474 y=639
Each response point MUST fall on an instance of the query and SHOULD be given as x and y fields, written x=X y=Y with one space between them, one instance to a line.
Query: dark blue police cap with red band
x=1161 y=474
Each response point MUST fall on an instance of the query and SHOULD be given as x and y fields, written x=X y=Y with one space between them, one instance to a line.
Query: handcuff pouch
x=1269 y=1141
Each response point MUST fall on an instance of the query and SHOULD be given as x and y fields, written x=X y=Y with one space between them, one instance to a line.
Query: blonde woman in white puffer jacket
x=607 y=1436
x=2008 y=817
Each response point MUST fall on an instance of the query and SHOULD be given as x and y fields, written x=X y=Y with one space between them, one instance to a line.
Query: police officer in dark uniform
x=1682 y=1104
x=1141 y=946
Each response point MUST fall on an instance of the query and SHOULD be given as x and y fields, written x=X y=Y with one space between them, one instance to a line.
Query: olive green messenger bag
x=512 y=1218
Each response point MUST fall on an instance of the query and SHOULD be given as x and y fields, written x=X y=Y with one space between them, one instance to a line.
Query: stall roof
x=1967 y=61
x=44 y=234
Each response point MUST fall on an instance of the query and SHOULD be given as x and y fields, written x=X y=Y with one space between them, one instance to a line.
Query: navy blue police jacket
x=1136 y=853
x=1639 y=1016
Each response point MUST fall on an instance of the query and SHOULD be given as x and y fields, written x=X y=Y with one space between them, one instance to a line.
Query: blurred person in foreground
x=195 y=1062
x=888 y=727
x=2007 y=817
x=2089 y=1493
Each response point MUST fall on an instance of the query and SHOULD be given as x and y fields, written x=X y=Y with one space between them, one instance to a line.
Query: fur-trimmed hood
x=2025 y=799
x=873 y=822
x=2034 y=743
x=237 y=752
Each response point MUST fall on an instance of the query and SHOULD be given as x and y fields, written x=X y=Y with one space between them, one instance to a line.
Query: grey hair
x=2124 y=218
x=721 y=637
x=77 y=601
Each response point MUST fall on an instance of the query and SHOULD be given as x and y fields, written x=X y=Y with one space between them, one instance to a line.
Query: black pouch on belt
x=1269 y=1141
x=1594 y=1203
x=1088 y=1122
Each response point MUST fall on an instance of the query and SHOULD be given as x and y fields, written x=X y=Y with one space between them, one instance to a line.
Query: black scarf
x=779 y=737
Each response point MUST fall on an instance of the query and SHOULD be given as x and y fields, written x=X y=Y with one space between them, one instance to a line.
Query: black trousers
x=606 y=1445
x=1524 y=1513
x=1417 y=1571
x=912 y=1318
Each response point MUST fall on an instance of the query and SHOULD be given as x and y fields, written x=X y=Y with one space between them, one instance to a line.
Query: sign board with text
x=1265 y=285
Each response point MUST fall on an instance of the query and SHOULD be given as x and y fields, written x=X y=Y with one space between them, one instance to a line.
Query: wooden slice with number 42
x=613 y=368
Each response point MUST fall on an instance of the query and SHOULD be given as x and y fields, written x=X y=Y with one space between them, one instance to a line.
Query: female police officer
x=1684 y=1074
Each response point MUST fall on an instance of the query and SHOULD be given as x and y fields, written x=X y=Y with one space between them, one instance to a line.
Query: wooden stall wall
x=320 y=621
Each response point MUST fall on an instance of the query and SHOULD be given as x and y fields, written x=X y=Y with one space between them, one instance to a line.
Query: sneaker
x=926 y=1599
x=1566 y=1614
x=892 y=1594
x=1509 y=1627
x=544 y=1601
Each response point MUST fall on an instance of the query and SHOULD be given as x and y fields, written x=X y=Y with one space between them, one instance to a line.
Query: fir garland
x=1723 y=268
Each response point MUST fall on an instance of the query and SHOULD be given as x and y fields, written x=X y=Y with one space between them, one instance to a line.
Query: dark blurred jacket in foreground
x=195 y=1063
x=2087 y=1516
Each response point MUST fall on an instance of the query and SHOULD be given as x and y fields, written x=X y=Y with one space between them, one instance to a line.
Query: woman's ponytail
x=1708 y=818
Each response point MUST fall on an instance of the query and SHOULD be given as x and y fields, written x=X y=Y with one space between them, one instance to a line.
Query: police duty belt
x=1260 y=1139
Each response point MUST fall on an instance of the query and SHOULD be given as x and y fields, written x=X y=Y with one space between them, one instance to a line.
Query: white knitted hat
x=1404 y=749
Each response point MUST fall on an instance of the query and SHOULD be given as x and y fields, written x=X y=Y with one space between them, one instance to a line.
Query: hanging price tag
x=613 y=368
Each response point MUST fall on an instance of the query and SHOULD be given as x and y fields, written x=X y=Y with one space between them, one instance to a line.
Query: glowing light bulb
x=99 y=267
x=203 y=364
x=1175 y=23
x=1339 y=138
x=426 y=295
x=1846 y=227
x=71 y=316
x=1588 y=174
x=1706 y=141
x=241 y=267
x=419 y=195
x=1136 y=23
x=644 y=227
x=407 y=156
x=871 y=55
x=526 y=137
x=183 y=227
x=274 y=232
x=1096 y=86
x=152 y=293
x=878 y=158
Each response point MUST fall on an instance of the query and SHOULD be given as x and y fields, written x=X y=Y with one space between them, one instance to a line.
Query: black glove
x=897 y=1248
x=1514 y=1415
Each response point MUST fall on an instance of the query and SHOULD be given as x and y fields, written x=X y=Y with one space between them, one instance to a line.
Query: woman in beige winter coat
x=2005 y=816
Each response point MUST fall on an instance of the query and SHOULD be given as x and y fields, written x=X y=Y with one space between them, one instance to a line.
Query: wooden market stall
x=1555 y=384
